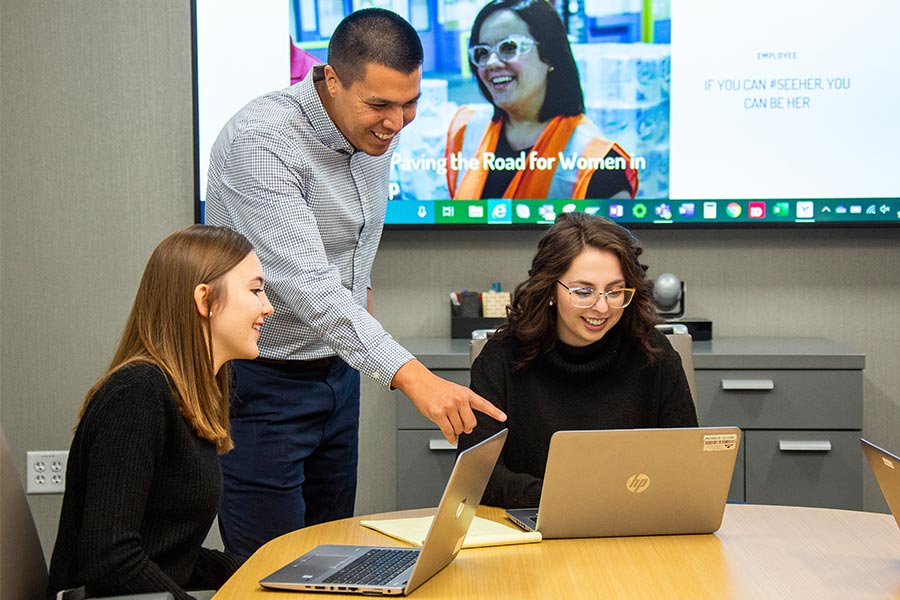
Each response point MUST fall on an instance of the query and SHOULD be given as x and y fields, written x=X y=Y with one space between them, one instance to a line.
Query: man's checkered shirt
x=313 y=207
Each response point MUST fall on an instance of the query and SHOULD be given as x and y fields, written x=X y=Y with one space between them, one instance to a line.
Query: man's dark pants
x=296 y=439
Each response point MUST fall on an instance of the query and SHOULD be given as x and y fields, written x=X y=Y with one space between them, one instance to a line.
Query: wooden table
x=759 y=552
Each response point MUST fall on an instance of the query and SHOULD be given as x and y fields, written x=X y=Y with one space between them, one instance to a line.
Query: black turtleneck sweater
x=141 y=493
x=607 y=385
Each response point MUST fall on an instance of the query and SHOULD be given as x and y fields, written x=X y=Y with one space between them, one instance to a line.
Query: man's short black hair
x=373 y=35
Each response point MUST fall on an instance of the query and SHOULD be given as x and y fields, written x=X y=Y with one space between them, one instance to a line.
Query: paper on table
x=482 y=532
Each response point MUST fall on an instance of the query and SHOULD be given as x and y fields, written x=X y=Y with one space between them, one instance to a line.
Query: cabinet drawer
x=410 y=418
x=424 y=463
x=776 y=399
x=803 y=468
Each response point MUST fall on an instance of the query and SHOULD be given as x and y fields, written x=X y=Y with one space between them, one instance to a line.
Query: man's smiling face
x=371 y=111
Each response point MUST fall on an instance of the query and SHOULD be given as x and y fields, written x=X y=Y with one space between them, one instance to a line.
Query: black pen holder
x=462 y=327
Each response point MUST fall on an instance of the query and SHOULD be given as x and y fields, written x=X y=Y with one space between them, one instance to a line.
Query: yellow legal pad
x=482 y=532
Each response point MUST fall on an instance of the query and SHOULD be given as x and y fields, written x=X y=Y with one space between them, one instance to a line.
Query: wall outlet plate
x=46 y=471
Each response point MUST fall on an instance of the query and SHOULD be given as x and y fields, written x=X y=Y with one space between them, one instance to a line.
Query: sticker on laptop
x=719 y=442
x=887 y=462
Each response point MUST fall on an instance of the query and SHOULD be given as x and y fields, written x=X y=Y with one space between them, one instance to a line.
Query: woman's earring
x=551 y=303
x=550 y=70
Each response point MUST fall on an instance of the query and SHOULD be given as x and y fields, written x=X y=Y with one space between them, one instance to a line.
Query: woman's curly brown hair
x=533 y=320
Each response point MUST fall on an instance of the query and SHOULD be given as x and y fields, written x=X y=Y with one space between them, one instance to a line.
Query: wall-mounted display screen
x=696 y=113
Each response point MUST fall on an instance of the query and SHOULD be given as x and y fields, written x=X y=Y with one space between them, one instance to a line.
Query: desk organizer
x=462 y=327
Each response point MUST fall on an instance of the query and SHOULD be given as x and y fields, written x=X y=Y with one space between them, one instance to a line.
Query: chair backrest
x=475 y=347
x=479 y=339
x=23 y=570
x=683 y=344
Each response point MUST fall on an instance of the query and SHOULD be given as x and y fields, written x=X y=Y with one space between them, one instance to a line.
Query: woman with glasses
x=527 y=145
x=579 y=351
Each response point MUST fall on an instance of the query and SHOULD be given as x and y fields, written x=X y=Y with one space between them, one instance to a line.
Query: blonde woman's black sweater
x=142 y=490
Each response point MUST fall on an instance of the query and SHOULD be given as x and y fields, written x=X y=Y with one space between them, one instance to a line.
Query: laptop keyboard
x=375 y=567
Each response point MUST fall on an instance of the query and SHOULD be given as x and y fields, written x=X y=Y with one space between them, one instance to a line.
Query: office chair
x=23 y=570
x=683 y=344
x=479 y=339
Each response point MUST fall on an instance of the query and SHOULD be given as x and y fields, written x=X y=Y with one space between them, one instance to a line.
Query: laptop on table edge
x=886 y=468
x=456 y=510
x=627 y=482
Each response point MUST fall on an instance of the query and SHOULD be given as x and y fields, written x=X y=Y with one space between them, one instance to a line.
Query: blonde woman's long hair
x=165 y=328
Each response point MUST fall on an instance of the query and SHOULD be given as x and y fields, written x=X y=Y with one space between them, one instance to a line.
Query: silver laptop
x=886 y=467
x=395 y=571
x=625 y=482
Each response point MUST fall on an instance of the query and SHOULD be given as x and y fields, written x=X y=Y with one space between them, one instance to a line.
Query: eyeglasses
x=585 y=297
x=506 y=50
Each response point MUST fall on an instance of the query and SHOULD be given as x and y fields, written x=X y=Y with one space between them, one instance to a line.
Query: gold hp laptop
x=886 y=467
x=396 y=571
x=624 y=482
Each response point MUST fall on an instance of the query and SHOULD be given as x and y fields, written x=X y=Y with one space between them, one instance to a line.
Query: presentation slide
x=784 y=99
x=765 y=112
x=242 y=52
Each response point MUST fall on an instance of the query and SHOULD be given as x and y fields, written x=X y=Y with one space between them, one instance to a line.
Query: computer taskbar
x=859 y=211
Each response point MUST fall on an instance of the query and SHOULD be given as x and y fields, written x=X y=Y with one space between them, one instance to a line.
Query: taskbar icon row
x=537 y=212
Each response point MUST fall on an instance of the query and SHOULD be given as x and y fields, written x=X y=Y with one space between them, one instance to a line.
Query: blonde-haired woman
x=143 y=481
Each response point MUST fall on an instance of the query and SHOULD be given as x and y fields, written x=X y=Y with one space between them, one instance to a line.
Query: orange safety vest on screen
x=566 y=135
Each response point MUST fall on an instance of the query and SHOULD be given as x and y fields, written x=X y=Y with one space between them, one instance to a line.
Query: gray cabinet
x=424 y=458
x=797 y=400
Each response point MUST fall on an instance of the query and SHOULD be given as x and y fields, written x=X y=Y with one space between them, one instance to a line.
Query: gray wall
x=96 y=168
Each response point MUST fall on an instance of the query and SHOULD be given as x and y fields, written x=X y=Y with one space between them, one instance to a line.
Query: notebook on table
x=376 y=570
x=482 y=532
x=886 y=467
x=628 y=482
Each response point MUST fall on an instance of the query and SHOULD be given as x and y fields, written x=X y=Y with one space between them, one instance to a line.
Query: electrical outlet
x=46 y=471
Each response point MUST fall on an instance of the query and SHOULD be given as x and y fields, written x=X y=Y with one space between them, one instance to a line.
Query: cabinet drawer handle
x=748 y=384
x=440 y=445
x=804 y=446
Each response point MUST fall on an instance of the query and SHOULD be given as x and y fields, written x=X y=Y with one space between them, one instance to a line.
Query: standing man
x=303 y=173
